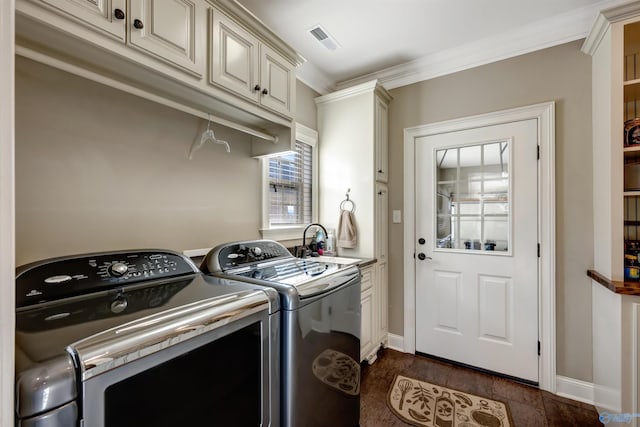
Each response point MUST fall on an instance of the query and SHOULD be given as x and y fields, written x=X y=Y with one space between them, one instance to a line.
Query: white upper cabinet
x=234 y=56
x=102 y=15
x=241 y=63
x=170 y=29
x=173 y=31
x=277 y=81
x=207 y=57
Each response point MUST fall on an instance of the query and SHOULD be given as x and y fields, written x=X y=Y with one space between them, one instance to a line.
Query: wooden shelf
x=632 y=148
x=631 y=193
x=631 y=90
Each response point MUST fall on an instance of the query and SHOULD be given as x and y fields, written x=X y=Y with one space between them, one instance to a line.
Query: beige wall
x=98 y=169
x=561 y=74
x=306 y=106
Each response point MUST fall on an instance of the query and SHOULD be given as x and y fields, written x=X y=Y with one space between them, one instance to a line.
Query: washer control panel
x=59 y=278
x=250 y=252
x=98 y=306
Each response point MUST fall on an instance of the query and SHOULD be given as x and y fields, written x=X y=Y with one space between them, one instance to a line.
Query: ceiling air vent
x=323 y=37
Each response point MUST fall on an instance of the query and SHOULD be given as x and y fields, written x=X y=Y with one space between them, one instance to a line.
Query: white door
x=477 y=247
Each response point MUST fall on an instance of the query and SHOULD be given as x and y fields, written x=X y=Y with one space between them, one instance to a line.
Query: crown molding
x=559 y=29
x=605 y=19
x=359 y=89
x=313 y=77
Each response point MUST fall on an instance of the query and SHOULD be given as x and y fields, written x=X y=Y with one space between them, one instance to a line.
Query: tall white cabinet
x=353 y=158
x=614 y=44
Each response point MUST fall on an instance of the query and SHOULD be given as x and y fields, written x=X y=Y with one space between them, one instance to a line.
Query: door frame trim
x=544 y=113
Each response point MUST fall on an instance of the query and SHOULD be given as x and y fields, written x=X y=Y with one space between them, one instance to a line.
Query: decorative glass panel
x=472 y=197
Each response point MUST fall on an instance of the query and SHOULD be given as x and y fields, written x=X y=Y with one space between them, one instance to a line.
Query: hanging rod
x=81 y=72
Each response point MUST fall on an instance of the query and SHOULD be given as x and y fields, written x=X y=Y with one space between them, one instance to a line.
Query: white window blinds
x=290 y=187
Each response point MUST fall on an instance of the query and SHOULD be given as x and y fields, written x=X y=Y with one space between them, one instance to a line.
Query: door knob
x=422 y=256
x=118 y=13
x=256 y=88
x=138 y=24
x=265 y=92
x=422 y=241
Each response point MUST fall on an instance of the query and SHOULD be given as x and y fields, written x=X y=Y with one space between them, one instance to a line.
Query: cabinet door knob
x=118 y=13
x=138 y=24
x=379 y=170
x=256 y=88
x=265 y=91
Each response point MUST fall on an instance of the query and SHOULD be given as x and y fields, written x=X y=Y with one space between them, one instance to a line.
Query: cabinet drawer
x=367 y=278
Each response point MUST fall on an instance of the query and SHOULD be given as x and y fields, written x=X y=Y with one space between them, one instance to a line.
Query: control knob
x=119 y=305
x=256 y=251
x=118 y=269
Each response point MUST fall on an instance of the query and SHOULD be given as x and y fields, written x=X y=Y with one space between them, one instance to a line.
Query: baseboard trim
x=396 y=342
x=571 y=388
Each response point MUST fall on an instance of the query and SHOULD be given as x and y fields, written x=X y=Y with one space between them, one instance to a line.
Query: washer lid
x=131 y=341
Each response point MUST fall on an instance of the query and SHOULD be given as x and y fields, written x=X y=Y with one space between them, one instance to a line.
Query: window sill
x=283 y=233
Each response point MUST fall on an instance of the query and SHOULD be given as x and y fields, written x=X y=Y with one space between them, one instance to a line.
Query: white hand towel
x=346 y=230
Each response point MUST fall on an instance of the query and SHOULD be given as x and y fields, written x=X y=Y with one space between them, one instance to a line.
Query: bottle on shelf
x=632 y=261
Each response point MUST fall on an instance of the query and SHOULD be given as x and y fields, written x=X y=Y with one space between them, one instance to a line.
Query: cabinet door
x=234 y=57
x=277 y=79
x=99 y=15
x=367 y=307
x=381 y=222
x=383 y=302
x=172 y=30
x=366 y=332
x=381 y=140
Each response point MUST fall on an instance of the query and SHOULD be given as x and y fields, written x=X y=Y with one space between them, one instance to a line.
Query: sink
x=338 y=260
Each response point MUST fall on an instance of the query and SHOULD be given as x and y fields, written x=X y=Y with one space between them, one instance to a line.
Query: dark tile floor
x=529 y=406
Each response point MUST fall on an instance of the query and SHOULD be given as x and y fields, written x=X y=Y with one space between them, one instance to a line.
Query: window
x=473 y=197
x=290 y=189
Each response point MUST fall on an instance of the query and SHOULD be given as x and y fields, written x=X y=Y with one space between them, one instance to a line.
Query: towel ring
x=345 y=203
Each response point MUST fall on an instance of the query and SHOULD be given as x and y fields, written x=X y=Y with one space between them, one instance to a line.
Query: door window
x=473 y=198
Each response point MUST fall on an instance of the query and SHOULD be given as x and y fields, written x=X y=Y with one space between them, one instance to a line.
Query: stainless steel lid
x=268 y=263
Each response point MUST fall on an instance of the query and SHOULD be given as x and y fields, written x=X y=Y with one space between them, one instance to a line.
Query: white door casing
x=476 y=204
x=544 y=114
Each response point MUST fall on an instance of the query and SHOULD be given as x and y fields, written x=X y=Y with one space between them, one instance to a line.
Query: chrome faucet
x=304 y=237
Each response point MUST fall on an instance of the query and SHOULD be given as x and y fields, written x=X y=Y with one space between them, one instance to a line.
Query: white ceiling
x=404 y=41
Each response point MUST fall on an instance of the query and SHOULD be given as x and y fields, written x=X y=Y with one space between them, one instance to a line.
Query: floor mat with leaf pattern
x=424 y=404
